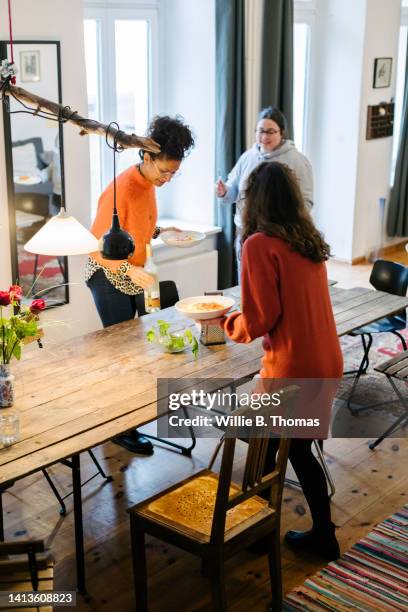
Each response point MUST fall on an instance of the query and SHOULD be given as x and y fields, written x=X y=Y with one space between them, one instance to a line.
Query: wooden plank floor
x=370 y=486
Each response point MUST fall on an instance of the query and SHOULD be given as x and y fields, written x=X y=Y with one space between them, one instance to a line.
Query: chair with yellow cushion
x=214 y=518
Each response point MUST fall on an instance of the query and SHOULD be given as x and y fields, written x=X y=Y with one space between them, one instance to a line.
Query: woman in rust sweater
x=285 y=300
x=117 y=286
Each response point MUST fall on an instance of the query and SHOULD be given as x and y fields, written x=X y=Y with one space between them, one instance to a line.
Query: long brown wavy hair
x=275 y=206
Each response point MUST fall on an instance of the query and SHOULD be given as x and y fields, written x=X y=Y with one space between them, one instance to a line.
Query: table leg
x=79 y=531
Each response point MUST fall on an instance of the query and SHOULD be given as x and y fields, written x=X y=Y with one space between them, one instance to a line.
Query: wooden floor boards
x=370 y=486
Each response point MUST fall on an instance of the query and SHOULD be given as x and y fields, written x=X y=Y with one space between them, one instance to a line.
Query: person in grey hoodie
x=271 y=145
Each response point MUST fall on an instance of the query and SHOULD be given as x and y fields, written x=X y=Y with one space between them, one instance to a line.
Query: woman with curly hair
x=285 y=300
x=117 y=286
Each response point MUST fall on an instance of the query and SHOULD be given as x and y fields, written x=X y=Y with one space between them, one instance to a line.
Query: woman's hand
x=218 y=321
x=220 y=188
x=138 y=276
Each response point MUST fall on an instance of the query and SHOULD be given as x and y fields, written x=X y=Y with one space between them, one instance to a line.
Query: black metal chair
x=168 y=297
x=168 y=294
x=392 y=278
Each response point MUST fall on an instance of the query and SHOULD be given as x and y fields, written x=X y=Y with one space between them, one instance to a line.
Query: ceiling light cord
x=13 y=78
x=116 y=149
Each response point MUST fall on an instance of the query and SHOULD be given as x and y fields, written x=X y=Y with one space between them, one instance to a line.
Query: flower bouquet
x=19 y=324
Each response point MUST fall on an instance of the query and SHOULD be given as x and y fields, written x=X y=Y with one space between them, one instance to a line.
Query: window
x=91 y=31
x=118 y=80
x=305 y=11
x=132 y=79
x=300 y=73
x=399 y=94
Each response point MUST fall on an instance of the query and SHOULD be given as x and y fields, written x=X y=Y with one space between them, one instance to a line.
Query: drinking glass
x=9 y=428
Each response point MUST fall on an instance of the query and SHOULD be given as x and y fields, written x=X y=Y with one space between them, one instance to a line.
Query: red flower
x=16 y=293
x=4 y=298
x=37 y=305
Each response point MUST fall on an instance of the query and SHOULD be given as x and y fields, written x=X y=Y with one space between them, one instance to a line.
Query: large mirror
x=33 y=161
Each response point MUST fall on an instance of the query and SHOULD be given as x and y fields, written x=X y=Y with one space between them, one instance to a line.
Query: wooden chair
x=212 y=517
x=395 y=368
x=25 y=567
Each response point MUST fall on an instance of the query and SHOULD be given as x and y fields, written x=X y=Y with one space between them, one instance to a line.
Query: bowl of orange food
x=203 y=307
x=182 y=239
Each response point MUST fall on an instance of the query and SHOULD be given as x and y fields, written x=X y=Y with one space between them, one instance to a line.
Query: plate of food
x=26 y=179
x=183 y=239
x=205 y=306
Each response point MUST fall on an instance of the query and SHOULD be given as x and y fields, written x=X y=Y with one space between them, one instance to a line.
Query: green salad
x=172 y=342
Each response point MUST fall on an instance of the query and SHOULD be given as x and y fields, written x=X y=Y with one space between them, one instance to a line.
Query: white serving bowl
x=184 y=239
x=186 y=306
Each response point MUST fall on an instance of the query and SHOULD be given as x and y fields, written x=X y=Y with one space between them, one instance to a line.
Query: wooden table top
x=104 y=383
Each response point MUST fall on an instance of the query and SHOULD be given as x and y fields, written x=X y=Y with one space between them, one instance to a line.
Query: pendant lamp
x=116 y=243
x=62 y=235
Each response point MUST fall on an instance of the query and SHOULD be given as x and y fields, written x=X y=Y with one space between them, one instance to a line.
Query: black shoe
x=135 y=442
x=322 y=543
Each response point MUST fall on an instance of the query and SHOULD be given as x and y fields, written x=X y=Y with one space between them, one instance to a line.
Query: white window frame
x=305 y=12
x=105 y=13
x=403 y=22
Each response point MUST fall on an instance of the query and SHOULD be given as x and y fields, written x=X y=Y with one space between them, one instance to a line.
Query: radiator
x=192 y=274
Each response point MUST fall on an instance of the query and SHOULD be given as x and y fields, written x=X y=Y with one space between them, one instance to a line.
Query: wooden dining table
x=91 y=388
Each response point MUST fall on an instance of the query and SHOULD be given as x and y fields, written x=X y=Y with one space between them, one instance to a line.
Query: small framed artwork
x=30 y=66
x=382 y=72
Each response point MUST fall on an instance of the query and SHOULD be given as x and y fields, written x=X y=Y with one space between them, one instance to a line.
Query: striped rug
x=371 y=577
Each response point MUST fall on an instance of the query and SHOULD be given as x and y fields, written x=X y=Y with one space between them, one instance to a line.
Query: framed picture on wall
x=382 y=72
x=30 y=66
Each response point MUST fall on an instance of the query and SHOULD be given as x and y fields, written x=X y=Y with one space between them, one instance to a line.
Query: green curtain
x=277 y=58
x=230 y=120
x=397 y=221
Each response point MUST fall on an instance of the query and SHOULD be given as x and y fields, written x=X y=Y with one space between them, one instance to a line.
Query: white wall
x=24 y=126
x=187 y=87
x=351 y=173
x=374 y=156
x=334 y=115
x=57 y=20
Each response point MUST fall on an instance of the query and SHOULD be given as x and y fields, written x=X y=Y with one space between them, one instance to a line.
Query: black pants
x=112 y=305
x=311 y=478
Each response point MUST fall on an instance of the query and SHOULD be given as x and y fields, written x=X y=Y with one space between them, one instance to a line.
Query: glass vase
x=6 y=386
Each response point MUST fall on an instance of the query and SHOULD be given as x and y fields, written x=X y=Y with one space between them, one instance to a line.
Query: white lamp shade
x=62 y=235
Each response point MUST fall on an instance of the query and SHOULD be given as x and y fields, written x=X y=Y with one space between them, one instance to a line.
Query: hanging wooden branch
x=87 y=126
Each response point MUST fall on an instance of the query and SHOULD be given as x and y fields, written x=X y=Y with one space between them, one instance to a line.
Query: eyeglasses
x=266 y=132
x=168 y=174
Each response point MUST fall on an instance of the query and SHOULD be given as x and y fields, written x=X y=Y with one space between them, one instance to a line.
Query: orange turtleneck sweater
x=137 y=209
